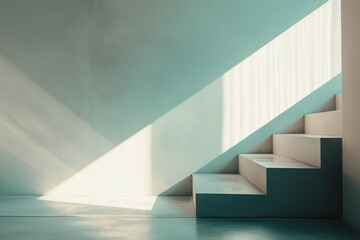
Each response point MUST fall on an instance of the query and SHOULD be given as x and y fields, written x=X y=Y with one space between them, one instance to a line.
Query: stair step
x=305 y=148
x=338 y=101
x=223 y=184
x=324 y=123
x=226 y=195
x=254 y=167
x=274 y=161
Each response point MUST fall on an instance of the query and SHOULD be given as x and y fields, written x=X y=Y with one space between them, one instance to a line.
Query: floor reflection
x=257 y=228
x=158 y=228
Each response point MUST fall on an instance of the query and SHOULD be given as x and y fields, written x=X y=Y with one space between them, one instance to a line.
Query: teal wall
x=149 y=56
x=80 y=77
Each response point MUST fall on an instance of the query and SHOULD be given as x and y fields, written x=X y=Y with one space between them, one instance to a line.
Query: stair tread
x=325 y=113
x=308 y=135
x=275 y=161
x=224 y=184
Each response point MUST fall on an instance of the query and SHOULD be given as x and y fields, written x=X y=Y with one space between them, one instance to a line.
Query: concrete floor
x=146 y=219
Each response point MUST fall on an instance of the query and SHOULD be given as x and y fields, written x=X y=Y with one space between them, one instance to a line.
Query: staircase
x=301 y=178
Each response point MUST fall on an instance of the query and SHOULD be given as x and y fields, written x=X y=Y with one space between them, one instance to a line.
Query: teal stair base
x=291 y=192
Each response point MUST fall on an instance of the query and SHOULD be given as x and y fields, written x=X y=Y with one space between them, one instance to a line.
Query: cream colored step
x=338 y=101
x=254 y=167
x=223 y=184
x=305 y=148
x=324 y=123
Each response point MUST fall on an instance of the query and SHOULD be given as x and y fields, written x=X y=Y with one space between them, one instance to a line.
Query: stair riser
x=253 y=172
x=306 y=150
x=326 y=123
x=227 y=205
x=338 y=101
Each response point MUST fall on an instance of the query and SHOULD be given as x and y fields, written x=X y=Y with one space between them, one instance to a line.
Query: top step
x=338 y=101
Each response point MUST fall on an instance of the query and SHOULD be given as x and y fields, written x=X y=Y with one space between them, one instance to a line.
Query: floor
x=145 y=218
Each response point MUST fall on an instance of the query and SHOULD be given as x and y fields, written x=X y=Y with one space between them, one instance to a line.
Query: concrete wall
x=87 y=87
x=350 y=16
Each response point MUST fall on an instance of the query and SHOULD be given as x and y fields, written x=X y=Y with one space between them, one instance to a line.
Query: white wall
x=87 y=87
x=350 y=11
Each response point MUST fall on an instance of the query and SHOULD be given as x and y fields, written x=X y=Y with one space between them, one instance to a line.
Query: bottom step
x=223 y=184
x=225 y=194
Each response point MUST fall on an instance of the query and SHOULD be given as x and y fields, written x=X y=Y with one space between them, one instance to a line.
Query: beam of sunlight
x=129 y=202
x=63 y=153
x=280 y=74
x=124 y=170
